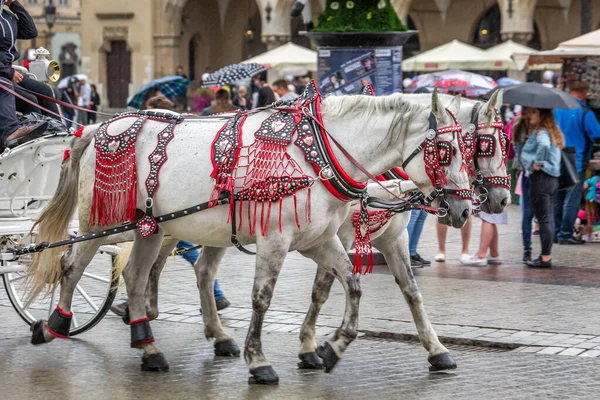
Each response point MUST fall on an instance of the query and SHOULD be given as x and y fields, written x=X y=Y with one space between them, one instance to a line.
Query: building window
x=64 y=2
x=33 y=2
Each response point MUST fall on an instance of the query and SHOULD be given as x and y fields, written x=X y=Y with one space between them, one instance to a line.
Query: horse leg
x=396 y=253
x=332 y=256
x=143 y=255
x=320 y=294
x=152 y=289
x=271 y=252
x=206 y=269
x=73 y=264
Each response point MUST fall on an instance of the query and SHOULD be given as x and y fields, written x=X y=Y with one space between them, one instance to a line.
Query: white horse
x=395 y=127
x=391 y=240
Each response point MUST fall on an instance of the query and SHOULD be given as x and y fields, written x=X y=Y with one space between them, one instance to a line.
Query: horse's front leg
x=270 y=254
x=320 y=293
x=332 y=256
x=395 y=250
x=73 y=265
x=143 y=256
x=206 y=270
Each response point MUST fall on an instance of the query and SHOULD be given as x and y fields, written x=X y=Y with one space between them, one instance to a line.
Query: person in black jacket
x=14 y=25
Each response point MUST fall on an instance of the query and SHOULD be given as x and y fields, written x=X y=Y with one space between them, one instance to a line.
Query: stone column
x=517 y=20
x=276 y=24
x=166 y=54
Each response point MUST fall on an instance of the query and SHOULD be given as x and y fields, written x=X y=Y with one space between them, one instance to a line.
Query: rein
x=33 y=103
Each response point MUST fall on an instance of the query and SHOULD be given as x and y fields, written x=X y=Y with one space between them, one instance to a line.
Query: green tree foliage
x=359 y=16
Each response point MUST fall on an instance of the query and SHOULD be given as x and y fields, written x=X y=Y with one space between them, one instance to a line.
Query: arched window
x=412 y=46
x=487 y=30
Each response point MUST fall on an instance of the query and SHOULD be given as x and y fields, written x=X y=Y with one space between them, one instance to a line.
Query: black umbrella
x=537 y=96
x=233 y=73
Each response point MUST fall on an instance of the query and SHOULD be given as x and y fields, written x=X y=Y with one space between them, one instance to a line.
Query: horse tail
x=121 y=260
x=53 y=223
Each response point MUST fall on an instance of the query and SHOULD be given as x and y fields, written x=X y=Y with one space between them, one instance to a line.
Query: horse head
x=440 y=172
x=492 y=183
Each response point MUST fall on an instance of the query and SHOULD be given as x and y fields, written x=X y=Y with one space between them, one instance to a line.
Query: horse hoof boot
x=263 y=376
x=227 y=348
x=155 y=363
x=310 y=361
x=327 y=354
x=37 y=337
x=441 y=362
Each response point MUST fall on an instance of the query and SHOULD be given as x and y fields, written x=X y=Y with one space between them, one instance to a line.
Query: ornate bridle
x=484 y=146
x=438 y=154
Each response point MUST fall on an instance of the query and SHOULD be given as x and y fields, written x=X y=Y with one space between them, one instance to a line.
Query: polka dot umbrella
x=232 y=73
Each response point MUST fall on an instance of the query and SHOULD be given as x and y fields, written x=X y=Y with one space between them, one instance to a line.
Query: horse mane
x=369 y=107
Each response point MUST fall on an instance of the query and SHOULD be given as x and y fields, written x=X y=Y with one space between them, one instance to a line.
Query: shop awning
x=587 y=45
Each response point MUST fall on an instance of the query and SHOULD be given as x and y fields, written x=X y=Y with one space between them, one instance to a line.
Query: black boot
x=539 y=263
x=526 y=256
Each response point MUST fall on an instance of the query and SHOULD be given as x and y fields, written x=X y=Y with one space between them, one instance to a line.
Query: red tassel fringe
x=79 y=132
x=114 y=199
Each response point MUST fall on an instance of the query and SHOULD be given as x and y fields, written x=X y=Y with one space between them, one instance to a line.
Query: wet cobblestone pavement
x=100 y=365
x=521 y=334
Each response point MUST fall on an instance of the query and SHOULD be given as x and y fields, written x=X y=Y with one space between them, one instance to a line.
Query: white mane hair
x=368 y=107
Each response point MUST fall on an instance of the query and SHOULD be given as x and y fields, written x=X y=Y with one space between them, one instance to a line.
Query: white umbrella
x=64 y=83
x=501 y=54
x=288 y=55
x=453 y=55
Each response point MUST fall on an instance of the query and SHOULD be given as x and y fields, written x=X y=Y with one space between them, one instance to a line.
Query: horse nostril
x=466 y=213
x=504 y=202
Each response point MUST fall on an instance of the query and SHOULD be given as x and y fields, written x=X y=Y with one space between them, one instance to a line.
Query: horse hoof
x=227 y=348
x=441 y=362
x=310 y=361
x=263 y=376
x=326 y=353
x=37 y=337
x=155 y=363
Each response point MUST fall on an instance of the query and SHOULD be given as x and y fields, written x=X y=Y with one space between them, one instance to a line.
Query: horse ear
x=495 y=101
x=437 y=108
x=454 y=105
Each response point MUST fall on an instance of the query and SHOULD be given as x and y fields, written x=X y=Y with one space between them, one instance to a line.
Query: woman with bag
x=540 y=158
x=520 y=132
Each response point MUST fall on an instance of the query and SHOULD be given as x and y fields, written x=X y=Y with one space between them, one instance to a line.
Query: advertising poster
x=345 y=70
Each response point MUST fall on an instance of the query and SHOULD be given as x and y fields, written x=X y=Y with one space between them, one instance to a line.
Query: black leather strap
x=234 y=239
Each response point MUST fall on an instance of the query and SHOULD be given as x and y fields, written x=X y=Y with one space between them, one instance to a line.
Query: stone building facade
x=126 y=43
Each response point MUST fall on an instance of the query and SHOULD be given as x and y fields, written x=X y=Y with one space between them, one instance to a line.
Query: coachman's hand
x=9 y=2
x=536 y=167
x=17 y=77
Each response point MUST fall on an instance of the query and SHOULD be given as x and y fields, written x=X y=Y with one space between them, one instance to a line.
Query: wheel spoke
x=87 y=298
x=96 y=277
x=74 y=320
x=18 y=278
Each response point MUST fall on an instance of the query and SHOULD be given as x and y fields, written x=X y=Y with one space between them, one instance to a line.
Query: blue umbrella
x=170 y=86
x=506 y=81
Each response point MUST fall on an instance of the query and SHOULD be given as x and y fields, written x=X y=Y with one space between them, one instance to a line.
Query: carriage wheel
x=92 y=298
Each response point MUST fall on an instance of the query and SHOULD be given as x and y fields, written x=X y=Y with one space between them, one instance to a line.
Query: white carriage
x=28 y=179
